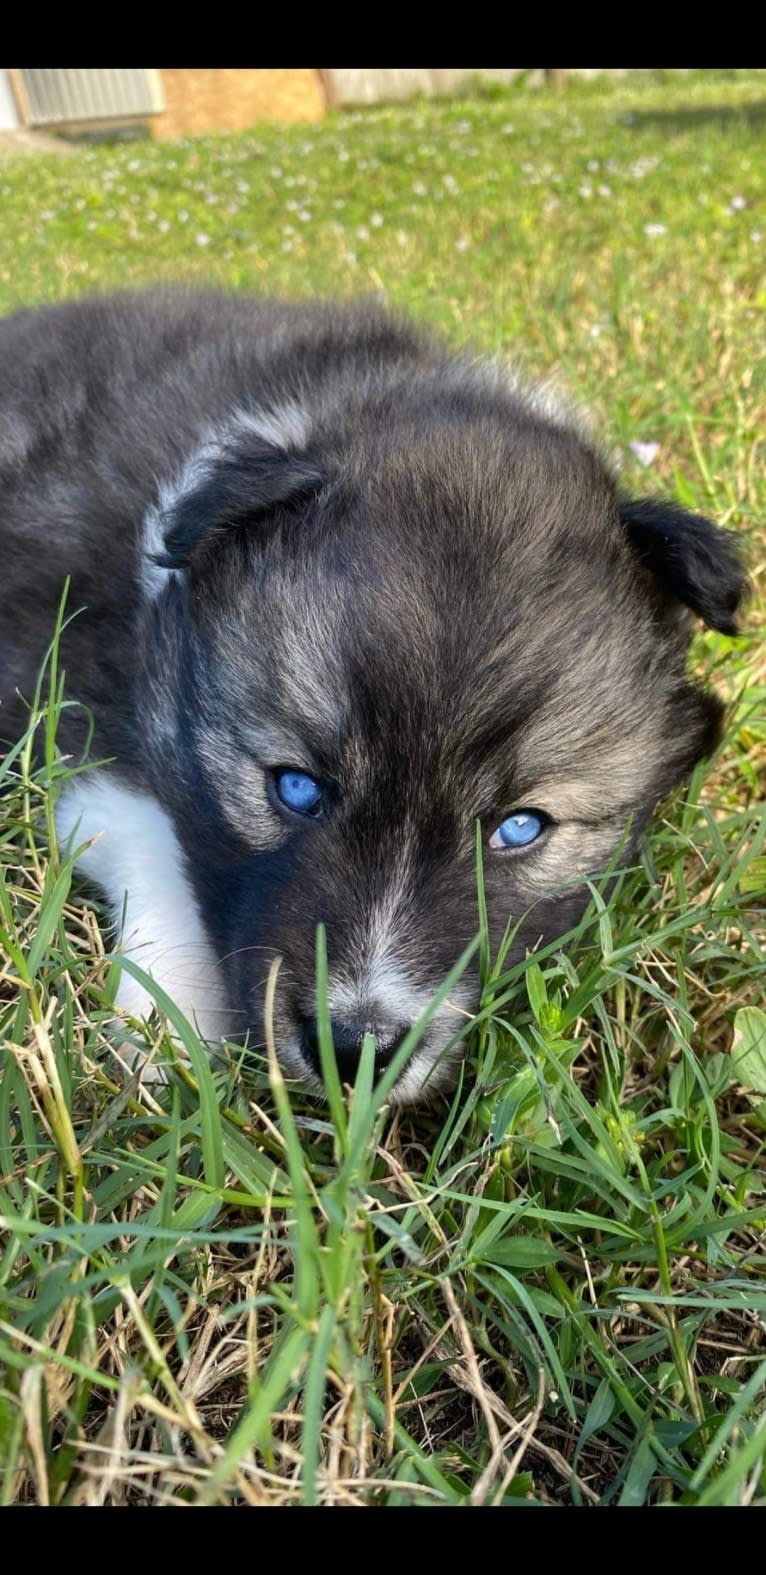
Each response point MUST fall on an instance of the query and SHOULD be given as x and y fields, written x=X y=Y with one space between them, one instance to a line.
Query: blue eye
x=521 y=828
x=299 y=792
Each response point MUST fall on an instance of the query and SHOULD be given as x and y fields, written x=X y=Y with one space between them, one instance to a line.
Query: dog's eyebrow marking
x=286 y=425
x=277 y=745
x=587 y=801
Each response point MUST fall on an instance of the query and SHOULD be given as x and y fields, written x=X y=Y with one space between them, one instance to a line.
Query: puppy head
x=434 y=612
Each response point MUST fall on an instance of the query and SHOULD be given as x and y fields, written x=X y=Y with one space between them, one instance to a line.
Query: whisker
x=240 y=951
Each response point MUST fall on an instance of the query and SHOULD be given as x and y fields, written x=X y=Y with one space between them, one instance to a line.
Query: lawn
x=549 y=1289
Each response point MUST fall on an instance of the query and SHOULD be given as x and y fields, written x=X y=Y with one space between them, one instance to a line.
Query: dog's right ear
x=242 y=483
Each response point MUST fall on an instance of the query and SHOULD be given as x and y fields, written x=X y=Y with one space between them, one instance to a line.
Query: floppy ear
x=695 y=561
x=227 y=488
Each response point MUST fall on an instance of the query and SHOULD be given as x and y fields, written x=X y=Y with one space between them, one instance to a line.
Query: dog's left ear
x=695 y=561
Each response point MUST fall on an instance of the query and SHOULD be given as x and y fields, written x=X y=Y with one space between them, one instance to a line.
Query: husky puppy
x=340 y=595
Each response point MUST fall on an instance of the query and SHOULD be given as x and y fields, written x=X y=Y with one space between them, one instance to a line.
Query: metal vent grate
x=57 y=98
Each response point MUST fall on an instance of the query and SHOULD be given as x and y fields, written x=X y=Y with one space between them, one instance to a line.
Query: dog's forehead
x=461 y=604
x=469 y=525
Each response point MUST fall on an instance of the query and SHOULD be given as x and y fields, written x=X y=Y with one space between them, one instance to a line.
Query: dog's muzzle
x=348 y=1038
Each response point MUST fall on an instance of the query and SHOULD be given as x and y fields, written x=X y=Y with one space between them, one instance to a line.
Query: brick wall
x=198 y=101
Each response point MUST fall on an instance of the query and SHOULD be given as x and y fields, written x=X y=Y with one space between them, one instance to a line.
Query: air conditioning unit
x=72 y=98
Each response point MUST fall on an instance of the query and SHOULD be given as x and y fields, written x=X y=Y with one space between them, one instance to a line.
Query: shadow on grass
x=676 y=121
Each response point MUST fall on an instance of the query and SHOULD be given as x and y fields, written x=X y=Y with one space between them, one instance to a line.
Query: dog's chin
x=432 y=1069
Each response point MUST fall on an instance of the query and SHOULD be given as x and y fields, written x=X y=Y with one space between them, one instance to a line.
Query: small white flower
x=507 y=129
x=461 y=244
x=182 y=216
x=644 y=166
x=756 y=235
x=287 y=246
x=645 y=453
x=737 y=203
x=163 y=226
x=605 y=191
x=402 y=237
x=304 y=216
x=376 y=220
x=276 y=172
x=363 y=233
x=655 y=229
x=593 y=165
x=418 y=188
x=202 y=239
x=349 y=257
x=586 y=190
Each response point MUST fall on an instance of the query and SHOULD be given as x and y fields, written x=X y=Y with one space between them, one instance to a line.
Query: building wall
x=9 y=118
x=367 y=86
x=200 y=101
x=230 y=100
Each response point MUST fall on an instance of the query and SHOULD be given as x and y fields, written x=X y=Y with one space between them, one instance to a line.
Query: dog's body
x=312 y=547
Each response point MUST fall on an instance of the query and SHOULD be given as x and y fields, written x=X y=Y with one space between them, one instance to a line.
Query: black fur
x=696 y=561
x=245 y=489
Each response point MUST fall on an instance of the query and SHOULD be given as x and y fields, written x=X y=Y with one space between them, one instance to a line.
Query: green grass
x=551 y=1288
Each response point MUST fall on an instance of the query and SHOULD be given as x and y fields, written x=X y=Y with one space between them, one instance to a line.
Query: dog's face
x=388 y=640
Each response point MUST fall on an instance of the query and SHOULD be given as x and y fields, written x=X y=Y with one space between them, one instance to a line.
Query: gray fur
x=308 y=536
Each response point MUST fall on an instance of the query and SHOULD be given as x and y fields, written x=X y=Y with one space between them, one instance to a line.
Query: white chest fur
x=133 y=854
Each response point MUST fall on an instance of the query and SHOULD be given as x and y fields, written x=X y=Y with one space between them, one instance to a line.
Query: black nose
x=348 y=1037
